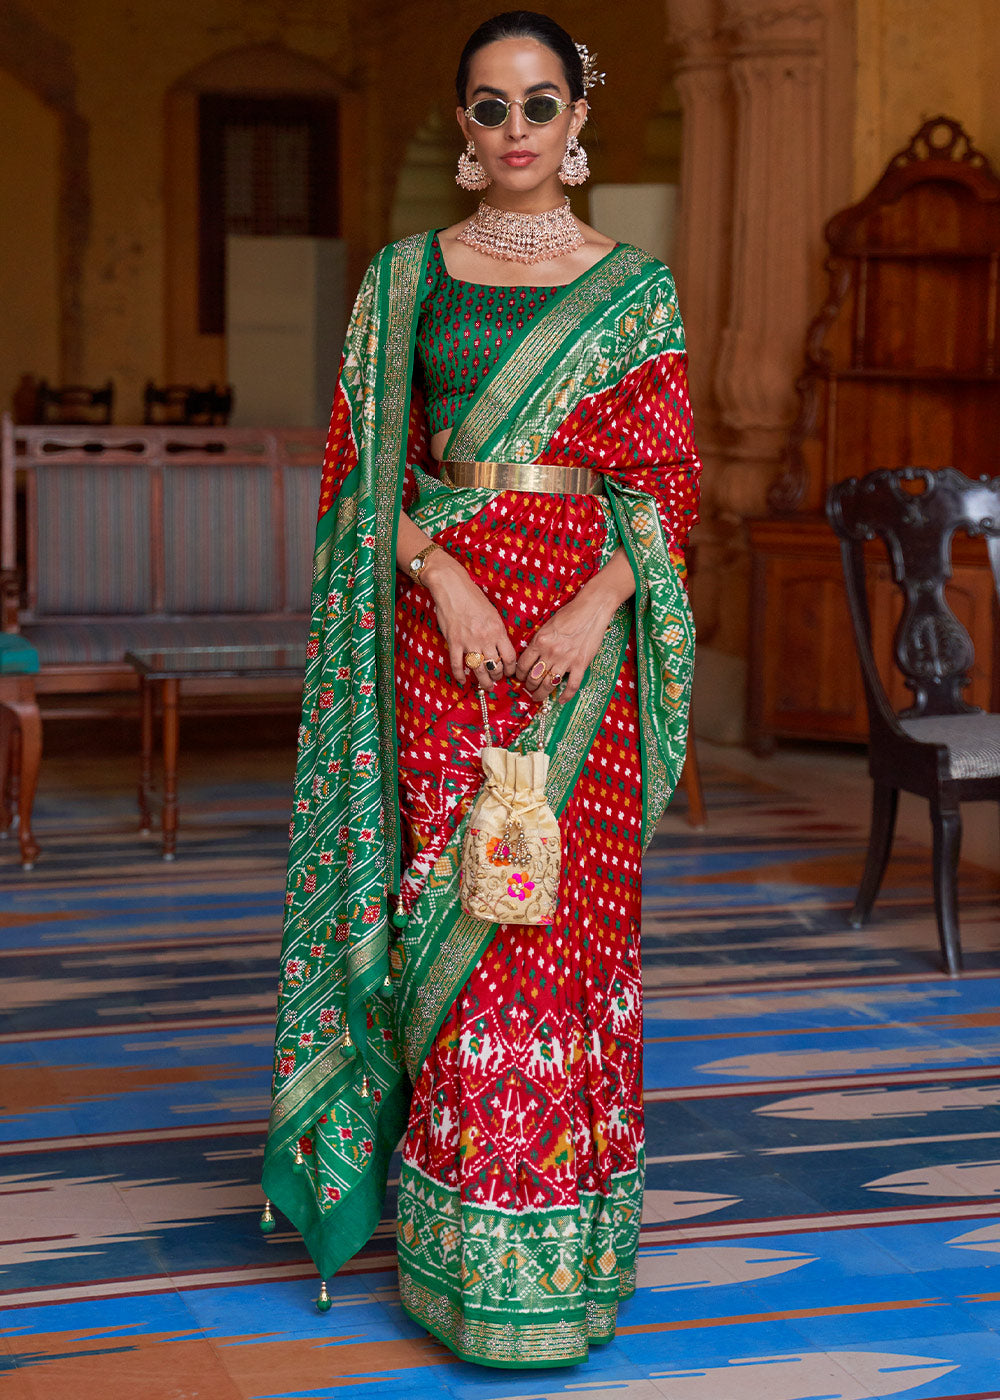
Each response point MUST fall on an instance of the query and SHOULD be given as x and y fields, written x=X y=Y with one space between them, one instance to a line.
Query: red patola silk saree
x=508 y=1058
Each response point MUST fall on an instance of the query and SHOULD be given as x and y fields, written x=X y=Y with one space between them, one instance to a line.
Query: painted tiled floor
x=822 y=1214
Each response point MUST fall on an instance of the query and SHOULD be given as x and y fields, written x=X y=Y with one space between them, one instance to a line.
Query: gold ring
x=492 y=664
x=474 y=659
x=535 y=673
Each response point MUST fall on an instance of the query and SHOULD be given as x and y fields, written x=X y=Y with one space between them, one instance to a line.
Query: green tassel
x=400 y=919
x=267 y=1220
x=299 y=1165
x=388 y=986
x=324 y=1302
x=348 y=1048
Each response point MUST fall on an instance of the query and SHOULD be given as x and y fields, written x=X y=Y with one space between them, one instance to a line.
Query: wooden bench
x=118 y=539
x=150 y=538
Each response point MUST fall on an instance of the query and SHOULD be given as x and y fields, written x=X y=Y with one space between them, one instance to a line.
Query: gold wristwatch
x=416 y=565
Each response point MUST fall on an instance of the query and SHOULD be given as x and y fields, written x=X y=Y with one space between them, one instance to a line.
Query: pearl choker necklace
x=522 y=238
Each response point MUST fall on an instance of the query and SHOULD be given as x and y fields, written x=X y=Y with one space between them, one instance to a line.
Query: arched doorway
x=261 y=112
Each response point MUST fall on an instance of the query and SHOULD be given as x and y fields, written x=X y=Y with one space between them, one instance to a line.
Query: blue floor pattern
x=822 y=1214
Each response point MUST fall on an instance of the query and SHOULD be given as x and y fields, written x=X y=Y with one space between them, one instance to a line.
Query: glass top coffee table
x=217 y=670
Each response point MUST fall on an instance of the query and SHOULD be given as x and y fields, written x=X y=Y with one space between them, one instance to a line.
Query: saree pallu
x=521 y=1187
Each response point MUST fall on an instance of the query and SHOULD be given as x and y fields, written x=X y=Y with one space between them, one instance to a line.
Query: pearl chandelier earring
x=574 y=168
x=471 y=175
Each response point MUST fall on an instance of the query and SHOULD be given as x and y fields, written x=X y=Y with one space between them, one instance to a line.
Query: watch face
x=416 y=565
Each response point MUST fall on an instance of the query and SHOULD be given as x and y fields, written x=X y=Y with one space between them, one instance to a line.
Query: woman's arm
x=568 y=642
x=466 y=618
x=468 y=621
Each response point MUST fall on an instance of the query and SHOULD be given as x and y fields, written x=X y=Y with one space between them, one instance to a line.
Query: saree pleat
x=519 y=1197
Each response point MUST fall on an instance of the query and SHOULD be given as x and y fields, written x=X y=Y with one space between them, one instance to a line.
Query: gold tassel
x=347 y=1047
x=366 y=1092
x=324 y=1302
x=267 y=1221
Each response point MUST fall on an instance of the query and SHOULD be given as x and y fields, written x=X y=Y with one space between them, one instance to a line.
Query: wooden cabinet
x=901 y=369
x=803 y=682
x=810 y=685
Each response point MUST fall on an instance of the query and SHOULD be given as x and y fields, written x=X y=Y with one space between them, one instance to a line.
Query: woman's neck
x=538 y=201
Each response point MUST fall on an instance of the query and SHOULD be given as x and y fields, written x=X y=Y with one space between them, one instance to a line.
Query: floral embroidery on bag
x=519 y=886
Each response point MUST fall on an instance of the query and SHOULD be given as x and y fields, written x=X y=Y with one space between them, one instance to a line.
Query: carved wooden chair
x=939 y=747
x=74 y=403
x=186 y=405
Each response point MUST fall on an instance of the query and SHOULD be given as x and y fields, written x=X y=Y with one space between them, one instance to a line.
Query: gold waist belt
x=524 y=476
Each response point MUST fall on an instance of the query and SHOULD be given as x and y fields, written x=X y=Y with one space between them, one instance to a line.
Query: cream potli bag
x=512 y=851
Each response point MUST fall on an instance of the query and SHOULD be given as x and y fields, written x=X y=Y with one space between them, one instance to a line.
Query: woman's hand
x=468 y=621
x=565 y=645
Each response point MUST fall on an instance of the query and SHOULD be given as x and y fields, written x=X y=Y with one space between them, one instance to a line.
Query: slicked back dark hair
x=523 y=24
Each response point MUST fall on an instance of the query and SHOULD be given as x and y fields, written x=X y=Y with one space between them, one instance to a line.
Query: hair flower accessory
x=590 y=74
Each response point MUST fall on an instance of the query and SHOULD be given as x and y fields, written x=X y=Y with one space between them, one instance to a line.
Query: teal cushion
x=17 y=656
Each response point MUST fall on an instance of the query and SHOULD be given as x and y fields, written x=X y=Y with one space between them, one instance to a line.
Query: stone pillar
x=703 y=250
x=776 y=66
x=755 y=87
x=703 y=267
x=702 y=261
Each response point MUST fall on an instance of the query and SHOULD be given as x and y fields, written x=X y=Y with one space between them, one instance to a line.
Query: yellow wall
x=123 y=60
x=129 y=56
x=127 y=77
x=29 y=273
x=123 y=72
x=919 y=59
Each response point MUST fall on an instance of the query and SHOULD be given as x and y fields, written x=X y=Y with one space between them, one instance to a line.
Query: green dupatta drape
x=349 y=1037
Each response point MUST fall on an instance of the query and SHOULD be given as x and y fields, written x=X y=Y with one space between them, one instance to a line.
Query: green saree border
x=573 y=1265
x=585 y=303
x=333 y=1234
x=377 y=378
x=400 y=306
x=665 y=654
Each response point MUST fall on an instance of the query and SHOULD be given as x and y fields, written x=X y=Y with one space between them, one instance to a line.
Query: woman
x=508 y=485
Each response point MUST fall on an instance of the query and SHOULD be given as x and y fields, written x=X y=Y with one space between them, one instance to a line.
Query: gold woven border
x=441 y=985
x=504 y=386
x=541 y=1343
x=328 y=1071
x=394 y=402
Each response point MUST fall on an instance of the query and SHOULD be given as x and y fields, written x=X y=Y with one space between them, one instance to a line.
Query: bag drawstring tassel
x=512 y=851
